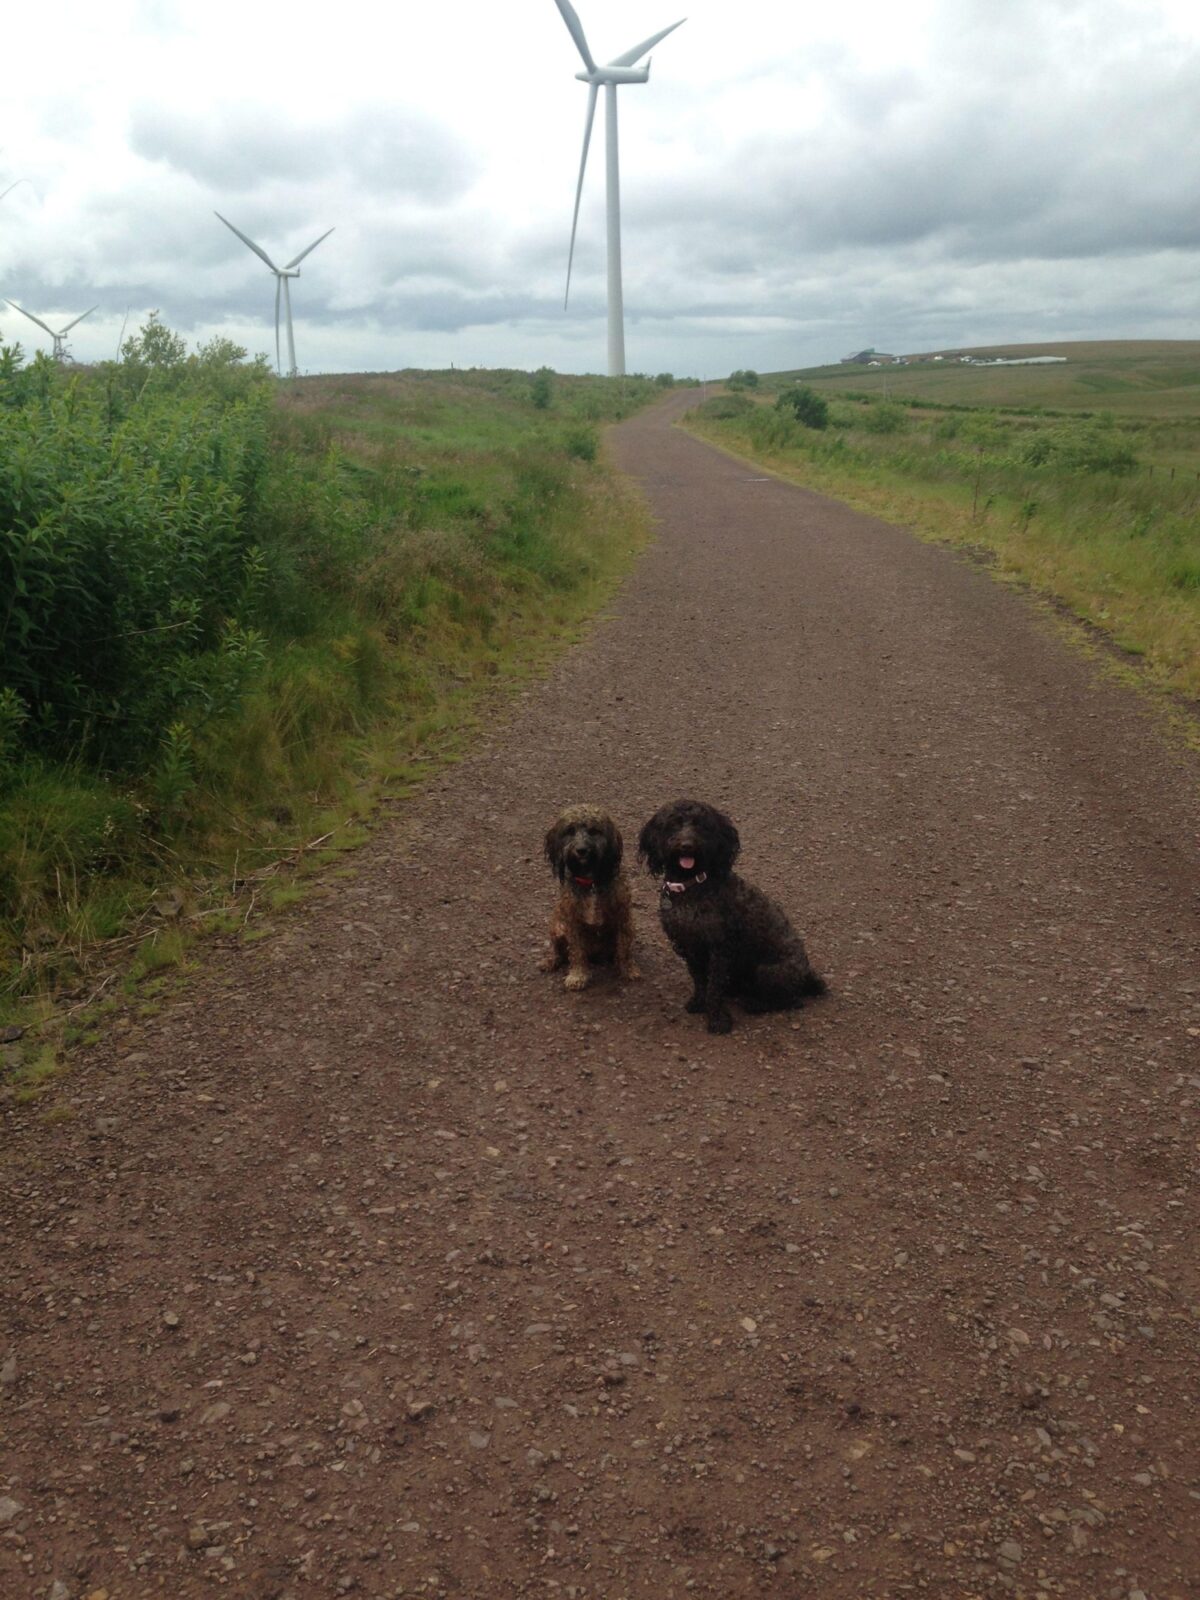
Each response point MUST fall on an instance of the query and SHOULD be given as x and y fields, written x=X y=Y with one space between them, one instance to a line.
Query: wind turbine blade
x=12 y=186
x=31 y=317
x=593 y=91
x=296 y=260
x=639 y=50
x=70 y=325
x=278 y=292
x=258 y=250
x=575 y=28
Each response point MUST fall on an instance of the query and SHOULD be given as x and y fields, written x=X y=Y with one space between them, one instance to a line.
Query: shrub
x=805 y=404
x=540 y=391
x=1095 y=449
x=1099 y=450
x=743 y=378
x=127 y=526
x=581 y=442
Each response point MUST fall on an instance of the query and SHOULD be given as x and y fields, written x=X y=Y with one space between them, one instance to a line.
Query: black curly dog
x=737 y=943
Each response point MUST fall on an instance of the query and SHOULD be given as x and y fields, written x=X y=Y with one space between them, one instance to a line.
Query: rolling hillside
x=1130 y=376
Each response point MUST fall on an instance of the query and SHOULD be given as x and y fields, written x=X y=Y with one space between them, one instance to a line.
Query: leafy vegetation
x=1099 y=511
x=805 y=404
x=230 y=610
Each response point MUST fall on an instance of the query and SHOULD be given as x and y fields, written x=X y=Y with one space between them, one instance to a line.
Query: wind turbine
x=618 y=71
x=60 y=349
x=282 y=274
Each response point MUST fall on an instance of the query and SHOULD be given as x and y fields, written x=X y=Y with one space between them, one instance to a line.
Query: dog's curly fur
x=737 y=943
x=593 y=916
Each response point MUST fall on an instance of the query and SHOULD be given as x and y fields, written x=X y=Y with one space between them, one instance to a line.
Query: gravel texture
x=378 y=1264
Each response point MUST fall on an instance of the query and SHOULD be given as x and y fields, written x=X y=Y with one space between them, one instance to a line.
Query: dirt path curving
x=381 y=1265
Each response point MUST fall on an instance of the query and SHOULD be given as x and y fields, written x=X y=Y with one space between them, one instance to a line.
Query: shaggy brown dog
x=593 y=918
x=736 y=942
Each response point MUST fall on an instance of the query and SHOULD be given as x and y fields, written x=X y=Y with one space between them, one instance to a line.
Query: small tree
x=805 y=404
x=540 y=391
x=743 y=378
x=154 y=345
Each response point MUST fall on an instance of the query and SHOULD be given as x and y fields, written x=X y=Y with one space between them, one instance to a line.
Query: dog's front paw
x=549 y=962
x=631 y=973
x=575 y=980
x=721 y=1023
x=696 y=1005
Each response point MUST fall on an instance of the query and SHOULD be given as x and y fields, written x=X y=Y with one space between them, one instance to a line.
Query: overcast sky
x=797 y=181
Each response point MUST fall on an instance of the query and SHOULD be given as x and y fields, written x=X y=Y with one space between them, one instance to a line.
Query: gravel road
x=379 y=1264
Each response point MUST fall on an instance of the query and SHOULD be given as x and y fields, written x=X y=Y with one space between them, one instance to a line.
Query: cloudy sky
x=798 y=181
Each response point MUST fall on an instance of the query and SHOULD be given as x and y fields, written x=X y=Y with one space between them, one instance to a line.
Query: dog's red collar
x=681 y=888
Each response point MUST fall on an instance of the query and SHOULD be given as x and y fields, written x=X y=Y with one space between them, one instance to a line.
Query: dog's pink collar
x=679 y=888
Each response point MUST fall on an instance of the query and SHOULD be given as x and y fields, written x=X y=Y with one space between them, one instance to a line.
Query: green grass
x=41 y=1065
x=1134 y=377
x=1100 y=512
x=414 y=545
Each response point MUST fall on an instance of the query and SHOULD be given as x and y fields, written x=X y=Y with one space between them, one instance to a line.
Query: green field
x=1095 y=505
x=1129 y=377
x=235 y=614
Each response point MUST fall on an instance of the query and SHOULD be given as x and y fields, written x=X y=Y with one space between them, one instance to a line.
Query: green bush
x=743 y=378
x=1079 y=449
x=805 y=404
x=581 y=442
x=126 y=539
x=540 y=390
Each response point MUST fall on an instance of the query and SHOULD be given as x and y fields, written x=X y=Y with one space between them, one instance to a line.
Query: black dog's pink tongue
x=687 y=862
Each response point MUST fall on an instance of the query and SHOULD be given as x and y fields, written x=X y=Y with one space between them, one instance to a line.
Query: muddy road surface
x=378 y=1264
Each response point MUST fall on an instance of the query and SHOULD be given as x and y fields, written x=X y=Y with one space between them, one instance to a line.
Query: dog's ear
x=615 y=846
x=725 y=841
x=553 y=847
x=650 y=841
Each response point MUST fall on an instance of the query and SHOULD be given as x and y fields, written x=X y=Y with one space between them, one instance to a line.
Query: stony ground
x=378 y=1264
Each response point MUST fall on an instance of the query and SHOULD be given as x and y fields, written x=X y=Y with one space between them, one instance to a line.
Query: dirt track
x=380 y=1265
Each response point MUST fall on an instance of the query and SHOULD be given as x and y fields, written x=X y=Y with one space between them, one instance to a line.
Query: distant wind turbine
x=282 y=292
x=11 y=187
x=618 y=71
x=60 y=348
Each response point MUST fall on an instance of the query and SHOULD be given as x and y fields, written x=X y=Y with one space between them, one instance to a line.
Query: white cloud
x=793 y=183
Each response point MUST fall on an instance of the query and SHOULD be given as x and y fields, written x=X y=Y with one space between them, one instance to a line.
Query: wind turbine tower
x=60 y=339
x=618 y=71
x=282 y=292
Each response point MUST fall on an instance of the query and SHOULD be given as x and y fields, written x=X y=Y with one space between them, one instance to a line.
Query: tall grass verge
x=232 y=611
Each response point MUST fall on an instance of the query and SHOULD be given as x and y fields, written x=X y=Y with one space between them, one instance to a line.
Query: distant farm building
x=868 y=358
